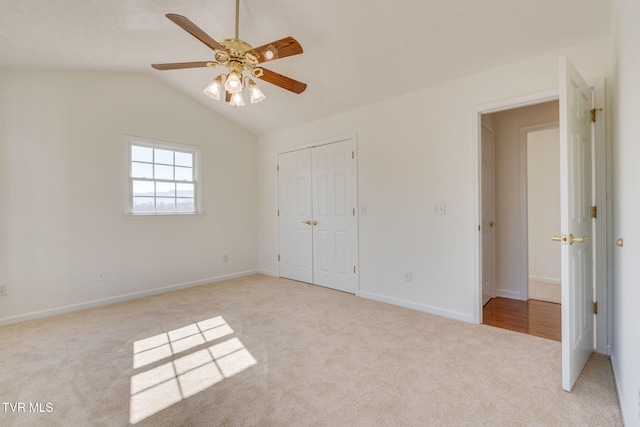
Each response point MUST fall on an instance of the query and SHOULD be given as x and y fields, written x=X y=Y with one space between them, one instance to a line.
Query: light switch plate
x=439 y=208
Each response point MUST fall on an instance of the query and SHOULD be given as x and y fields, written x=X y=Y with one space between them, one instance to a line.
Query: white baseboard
x=120 y=298
x=551 y=280
x=614 y=363
x=267 y=272
x=507 y=294
x=419 y=307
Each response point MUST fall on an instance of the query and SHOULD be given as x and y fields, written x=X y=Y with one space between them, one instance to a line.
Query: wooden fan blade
x=227 y=97
x=282 y=48
x=283 y=81
x=179 y=65
x=195 y=31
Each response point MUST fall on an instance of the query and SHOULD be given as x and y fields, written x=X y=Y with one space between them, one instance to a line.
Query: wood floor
x=539 y=318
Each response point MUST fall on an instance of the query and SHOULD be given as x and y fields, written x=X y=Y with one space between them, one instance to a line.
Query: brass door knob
x=307 y=222
x=568 y=240
x=576 y=239
x=492 y=224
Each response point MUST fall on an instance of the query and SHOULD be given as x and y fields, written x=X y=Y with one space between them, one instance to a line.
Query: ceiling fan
x=238 y=56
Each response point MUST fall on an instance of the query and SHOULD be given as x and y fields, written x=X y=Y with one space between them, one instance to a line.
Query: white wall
x=414 y=151
x=626 y=205
x=543 y=189
x=511 y=275
x=62 y=180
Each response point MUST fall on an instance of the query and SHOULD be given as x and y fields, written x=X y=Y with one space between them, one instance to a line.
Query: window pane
x=141 y=154
x=141 y=170
x=163 y=156
x=163 y=172
x=185 y=190
x=184 y=174
x=185 y=205
x=143 y=188
x=143 y=204
x=165 y=189
x=165 y=204
x=184 y=159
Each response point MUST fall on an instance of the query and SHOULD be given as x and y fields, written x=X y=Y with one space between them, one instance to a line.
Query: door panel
x=576 y=201
x=335 y=236
x=294 y=202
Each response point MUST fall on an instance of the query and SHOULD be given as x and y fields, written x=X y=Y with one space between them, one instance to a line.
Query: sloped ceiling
x=356 y=52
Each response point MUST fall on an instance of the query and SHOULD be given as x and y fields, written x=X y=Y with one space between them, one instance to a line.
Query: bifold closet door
x=295 y=232
x=334 y=216
x=317 y=223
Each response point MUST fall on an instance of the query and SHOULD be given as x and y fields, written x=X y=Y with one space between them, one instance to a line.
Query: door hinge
x=354 y=211
x=594 y=307
x=354 y=269
x=353 y=154
x=278 y=212
x=592 y=114
x=278 y=258
x=594 y=212
x=277 y=168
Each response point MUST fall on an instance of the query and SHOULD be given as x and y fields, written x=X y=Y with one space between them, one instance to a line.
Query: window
x=163 y=178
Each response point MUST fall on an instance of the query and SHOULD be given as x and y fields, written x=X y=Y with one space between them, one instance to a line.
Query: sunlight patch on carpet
x=177 y=364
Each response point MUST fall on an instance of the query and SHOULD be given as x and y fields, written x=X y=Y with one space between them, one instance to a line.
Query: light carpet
x=264 y=351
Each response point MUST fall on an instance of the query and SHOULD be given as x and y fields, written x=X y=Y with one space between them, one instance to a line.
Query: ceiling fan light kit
x=238 y=56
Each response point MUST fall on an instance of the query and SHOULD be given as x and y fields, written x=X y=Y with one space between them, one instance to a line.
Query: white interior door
x=317 y=223
x=488 y=215
x=294 y=215
x=575 y=223
x=334 y=215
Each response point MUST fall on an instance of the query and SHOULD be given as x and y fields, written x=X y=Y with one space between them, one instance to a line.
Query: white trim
x=419 y=307
x=120 y=298
x=508 y=294
x=550 y=280
x=267 y=272
x=524 y=204
x=614 y=364
x=602 y=245
x=325 y=141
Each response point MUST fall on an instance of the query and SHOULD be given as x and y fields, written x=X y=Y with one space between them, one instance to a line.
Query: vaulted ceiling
x=356 y=52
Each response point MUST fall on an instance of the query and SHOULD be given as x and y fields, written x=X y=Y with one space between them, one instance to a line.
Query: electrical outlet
x=225 y=258
x=3 y=290
x=100 y=275
x=439 y=208
x=407 y=276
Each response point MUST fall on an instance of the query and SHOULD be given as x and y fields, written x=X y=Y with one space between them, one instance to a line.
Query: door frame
x=602 y=180
x=307 y=145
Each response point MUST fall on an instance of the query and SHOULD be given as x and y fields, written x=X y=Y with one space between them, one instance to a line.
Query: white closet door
x=317 y=225
x=334 y=215
x=294 y=220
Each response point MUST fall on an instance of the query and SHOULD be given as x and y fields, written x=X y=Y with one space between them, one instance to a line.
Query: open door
x=576 y=223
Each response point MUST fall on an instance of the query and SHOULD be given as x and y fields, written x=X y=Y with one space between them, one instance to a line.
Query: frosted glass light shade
x=255 y=93
x=233 y=84
x=214 y=88
x=237 y=100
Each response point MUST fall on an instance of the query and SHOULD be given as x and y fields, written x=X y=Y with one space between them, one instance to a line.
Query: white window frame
x=196 y=151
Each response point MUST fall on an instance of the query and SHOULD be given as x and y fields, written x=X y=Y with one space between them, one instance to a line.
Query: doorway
x=516 y=235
